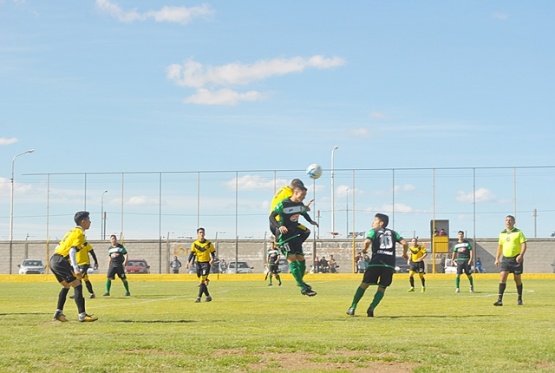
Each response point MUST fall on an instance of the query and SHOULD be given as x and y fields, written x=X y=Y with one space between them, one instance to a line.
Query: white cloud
x=222 y=97
x=399 y=208
x=172 y=14
x=141 y=201
x=250 y=182
x=5 y=141
x=194 y=74
x=482 y=195
x=500 y=16
x=358 y=132
x=404 y=188
x=378 y=115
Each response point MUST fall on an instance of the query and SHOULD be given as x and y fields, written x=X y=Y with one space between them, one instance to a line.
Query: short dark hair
x=113 y=235
x=383 y=218
x=297 y=183
x=461 y=232
x=510 y=216
x=80 y=216
x=201 y=229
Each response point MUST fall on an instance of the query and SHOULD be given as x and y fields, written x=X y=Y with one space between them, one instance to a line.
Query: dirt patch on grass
x=343 y=360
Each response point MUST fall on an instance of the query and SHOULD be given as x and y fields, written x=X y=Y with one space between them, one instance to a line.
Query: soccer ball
x=314 y=171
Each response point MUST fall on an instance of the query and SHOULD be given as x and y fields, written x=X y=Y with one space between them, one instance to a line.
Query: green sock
x=278 y=278
x=271 y=279
x=358 y=295
x=457 y=281
x=296 y=272
x=377 y=299
x=126 y=284
x=108 y=285
x=471 y=279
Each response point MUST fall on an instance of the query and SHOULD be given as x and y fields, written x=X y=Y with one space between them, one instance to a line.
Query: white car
x=32 y=266
x=242 y=267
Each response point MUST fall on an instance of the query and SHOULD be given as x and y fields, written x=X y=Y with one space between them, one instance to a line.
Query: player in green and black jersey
x=291 y=234
x=118 y=257
x=463 y=253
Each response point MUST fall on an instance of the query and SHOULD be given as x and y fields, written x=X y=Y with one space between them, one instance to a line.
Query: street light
x=102 y=217
x=333 y=193
x=347 y=211
x=11 y=205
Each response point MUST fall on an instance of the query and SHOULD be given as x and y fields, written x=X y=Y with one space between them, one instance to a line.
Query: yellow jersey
x=82 y=256
x=416 y=252
x=73 y=238
x=202 y=250
x=281 y=194
x=511 y=242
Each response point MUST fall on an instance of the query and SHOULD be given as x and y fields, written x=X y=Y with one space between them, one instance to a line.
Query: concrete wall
x=540 y=257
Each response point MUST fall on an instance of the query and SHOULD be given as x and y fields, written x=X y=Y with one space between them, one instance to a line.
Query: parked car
x=401 y=265
x=137 y=266
x=32 y=267
x=242 y=267
x=450 y=266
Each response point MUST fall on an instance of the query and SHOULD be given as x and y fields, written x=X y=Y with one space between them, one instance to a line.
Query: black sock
x=519 y=291
x=501 y=291
x=89 y=287
x=62 y=296
x=79 y=300
x=411 y=280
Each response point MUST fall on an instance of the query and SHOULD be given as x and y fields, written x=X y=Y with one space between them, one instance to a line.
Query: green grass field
x=250 y=327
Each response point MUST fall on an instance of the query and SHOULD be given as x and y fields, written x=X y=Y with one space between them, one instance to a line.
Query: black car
x=401 y=265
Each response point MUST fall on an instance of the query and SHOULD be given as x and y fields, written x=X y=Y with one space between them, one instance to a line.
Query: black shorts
x=377 y=274
x=61 y=268
x=418 y=267
x=116 y=270
x=510 y=265
x=463 y=266
x=294 y=238
x=273 y=268
x=203 y=269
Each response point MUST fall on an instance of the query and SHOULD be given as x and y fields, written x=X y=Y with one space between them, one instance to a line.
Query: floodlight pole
x=333 y=193
x=11 y=205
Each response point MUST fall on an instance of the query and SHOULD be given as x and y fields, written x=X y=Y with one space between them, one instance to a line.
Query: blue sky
x=170 y=86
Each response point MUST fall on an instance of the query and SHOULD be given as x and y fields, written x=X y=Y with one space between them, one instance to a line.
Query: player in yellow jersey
x=204 y=252
x=68 y=273
x=416 y=262
x=510 y=258
x=84 y=263
x=285 y=192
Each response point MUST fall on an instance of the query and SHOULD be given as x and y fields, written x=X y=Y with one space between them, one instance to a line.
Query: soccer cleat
x=411 y=290
x=279 y=284
x=351 y=311
x=370 y=312
x=270 y=285
x=472 y=289
x=309 y=292
x=457 y=290
x=198 y=300
x=208 y=298
x=498 y=303
x=72 y=297
x=519 y=302
x=423 y=290
x=106 y=294
x=127 y=294
x=92 y=296
x=60 y=316
x=87 y=318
